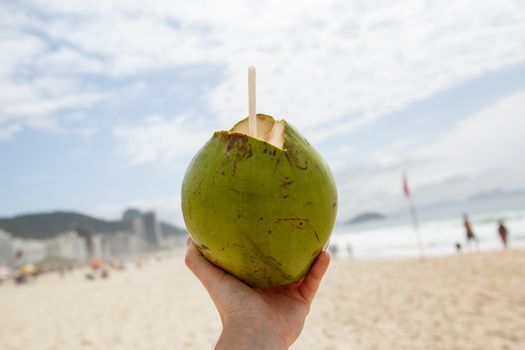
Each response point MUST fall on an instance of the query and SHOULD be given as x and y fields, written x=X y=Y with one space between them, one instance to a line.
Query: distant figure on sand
x=349 y=250
x=332 y=248
x=503 y=233
x=470 y=236
x=458 y=247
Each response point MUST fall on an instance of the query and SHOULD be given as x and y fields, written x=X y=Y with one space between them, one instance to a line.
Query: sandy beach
x=471 y=301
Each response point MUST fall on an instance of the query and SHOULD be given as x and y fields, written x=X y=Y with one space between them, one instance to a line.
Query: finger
x=207 y=273
x=311 y=282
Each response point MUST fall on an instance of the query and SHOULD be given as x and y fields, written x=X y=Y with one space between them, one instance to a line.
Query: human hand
x=257 y=318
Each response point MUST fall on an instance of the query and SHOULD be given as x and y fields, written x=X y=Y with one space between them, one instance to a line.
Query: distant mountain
x=366 y=217
x=49 y=225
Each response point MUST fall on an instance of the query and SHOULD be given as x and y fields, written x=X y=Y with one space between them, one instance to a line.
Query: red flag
x=405 y=186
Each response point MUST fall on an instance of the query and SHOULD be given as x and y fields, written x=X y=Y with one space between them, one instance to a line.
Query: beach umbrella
x=96 y=263
x=5 y=272
x=28 y=269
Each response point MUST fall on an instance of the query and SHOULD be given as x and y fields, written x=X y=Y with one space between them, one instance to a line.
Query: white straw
x=251 y=102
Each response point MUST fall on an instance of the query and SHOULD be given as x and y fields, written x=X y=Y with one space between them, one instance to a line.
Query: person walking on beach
x=469 y=233
x=503 y=233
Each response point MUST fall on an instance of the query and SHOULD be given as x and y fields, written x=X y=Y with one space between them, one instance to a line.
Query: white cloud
x=342 y=59
x=486 y=148
x=7 y=131
x=159 y=139
x=65 y=61
x=35 y=103
x=35 y=83
x=327 y=66
x=481 y=152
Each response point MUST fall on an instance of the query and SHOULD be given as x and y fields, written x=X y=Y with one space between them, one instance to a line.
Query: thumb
x=312 y=281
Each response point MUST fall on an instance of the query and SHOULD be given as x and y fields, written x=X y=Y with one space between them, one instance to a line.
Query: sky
x=104 y=103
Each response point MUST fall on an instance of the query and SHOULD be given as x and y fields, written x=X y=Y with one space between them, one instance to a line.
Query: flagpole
x=413 y=215
x=415 y=223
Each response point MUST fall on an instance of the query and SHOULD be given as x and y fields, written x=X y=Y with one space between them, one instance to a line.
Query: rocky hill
x=366 y=217
x=48 y=225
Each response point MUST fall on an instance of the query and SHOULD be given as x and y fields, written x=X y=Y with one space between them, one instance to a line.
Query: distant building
x=120 y=245
x=152 y=235
x=131 y=214
x=6 y=248
x=137 y=226
x=68 y=246
x=33 y=251
x=98 y=246
x=177 y=242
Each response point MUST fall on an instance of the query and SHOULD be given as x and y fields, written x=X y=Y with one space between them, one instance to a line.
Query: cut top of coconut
x=269 y=130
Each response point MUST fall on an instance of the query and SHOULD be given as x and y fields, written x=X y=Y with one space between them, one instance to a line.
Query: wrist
x=246 y=335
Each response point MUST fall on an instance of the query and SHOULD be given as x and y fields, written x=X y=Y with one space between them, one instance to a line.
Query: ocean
x=398 y=240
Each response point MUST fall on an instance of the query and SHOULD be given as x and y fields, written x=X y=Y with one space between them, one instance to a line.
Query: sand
x=474 y=301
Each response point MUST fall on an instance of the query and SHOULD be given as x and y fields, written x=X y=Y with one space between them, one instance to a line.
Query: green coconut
x=262 y=209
